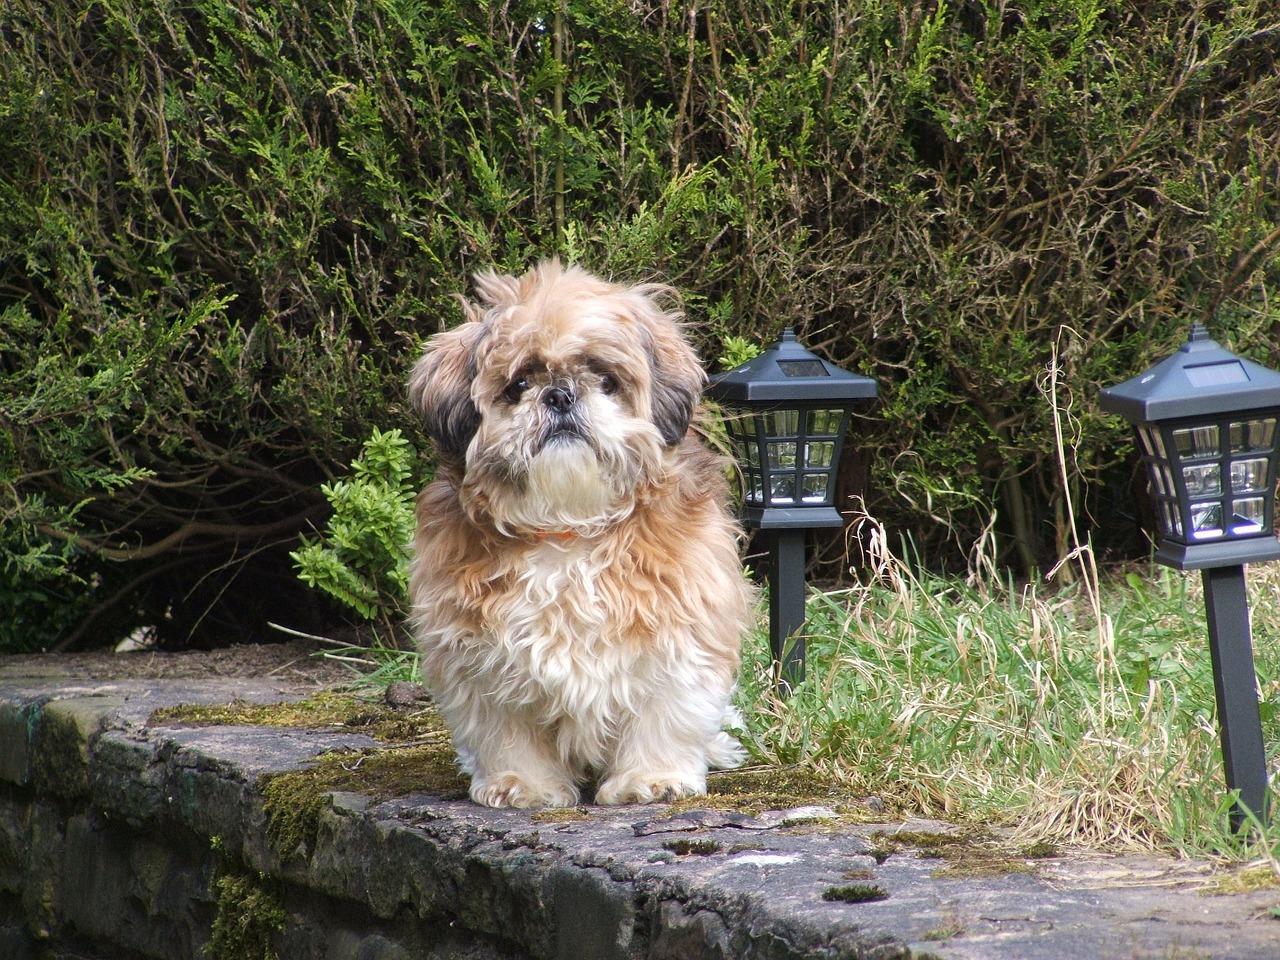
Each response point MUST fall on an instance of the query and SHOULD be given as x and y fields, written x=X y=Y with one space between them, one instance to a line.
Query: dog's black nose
x=558 y=399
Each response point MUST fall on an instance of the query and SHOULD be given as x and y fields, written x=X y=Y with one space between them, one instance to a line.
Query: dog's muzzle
x=562 y=422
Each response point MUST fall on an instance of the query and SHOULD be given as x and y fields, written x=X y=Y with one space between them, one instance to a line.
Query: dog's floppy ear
x=440 y=388
x=678 y=377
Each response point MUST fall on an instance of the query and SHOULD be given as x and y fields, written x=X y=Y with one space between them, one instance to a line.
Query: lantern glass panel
x=1253 y=436
x=1206 y=520
x=1152 y=443
x=823 y=423
x=782 y=488
x=743 y=432
x=1212 y=480
x=782 y=455
x=1197 y=442
x=782 y=423
x=815 y=487
x=1247 y=515
x=818 y=453
x=1224 y=477
x=1204 y=480
x=1249 y=476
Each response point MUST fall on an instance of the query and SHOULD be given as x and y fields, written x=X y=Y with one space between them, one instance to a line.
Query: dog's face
x=558 y=398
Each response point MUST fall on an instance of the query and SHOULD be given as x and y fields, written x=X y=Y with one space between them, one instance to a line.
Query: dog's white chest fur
x=564 y=659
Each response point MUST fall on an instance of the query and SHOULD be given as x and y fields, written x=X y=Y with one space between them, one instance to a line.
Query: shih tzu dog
x=577 y=591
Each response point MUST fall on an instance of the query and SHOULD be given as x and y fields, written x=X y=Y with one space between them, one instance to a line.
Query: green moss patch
x=757 y=789
x=330 y=710
x=422 y=762
x=856 y=893
x=293 y=801
x=974 y=853
x=685 y=847
x=559 y=815
x=1246 y=880
x=1040 y=850
x=250 y=910
x=946 y=931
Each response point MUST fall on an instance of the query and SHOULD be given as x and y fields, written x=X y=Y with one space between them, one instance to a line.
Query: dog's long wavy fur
x=577 y=591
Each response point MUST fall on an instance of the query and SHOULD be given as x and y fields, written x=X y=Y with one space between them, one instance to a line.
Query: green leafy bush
x=225 y=230
x=362 y=558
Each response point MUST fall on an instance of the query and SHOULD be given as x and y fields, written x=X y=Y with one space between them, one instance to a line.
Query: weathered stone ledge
x=120 y=840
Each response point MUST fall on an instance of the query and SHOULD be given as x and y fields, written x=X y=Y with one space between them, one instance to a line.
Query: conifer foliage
x=225 y=229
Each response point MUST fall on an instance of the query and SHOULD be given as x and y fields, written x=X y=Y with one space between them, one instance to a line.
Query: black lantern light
x=792 y=413
x=1206 y=425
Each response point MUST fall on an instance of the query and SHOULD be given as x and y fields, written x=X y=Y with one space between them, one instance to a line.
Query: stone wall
x=123 y=840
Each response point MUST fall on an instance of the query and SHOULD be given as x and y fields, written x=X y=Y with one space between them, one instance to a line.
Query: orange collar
x=561 y=535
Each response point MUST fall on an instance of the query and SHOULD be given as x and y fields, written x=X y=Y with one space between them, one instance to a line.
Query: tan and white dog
x=577 y=592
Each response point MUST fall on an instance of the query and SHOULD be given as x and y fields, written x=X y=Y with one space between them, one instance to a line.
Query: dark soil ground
x=298 y=661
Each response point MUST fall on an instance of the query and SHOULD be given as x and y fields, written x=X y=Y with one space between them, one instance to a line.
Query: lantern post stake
x=786 y=606
x=1240 y=727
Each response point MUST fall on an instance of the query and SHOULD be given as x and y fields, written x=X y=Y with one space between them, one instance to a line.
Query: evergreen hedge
x=226 y=227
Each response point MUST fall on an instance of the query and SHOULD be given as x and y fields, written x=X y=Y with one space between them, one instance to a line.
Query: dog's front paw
x=511 y=790
x=643 y=788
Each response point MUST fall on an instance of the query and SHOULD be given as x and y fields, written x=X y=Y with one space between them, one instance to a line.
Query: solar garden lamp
x=1205 y=423
x=789 y=411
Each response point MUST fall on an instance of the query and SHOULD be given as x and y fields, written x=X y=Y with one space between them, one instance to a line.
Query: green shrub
x=362 y=558
x=225 y=229
x=42 y=596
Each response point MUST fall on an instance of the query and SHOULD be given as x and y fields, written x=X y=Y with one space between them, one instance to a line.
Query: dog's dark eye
x=516 y=388
x=609 y=384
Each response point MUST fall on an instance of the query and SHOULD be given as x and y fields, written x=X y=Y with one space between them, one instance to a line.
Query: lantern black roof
x=1201 y=379
x=788 y=373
